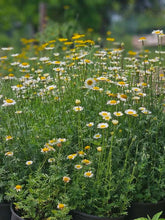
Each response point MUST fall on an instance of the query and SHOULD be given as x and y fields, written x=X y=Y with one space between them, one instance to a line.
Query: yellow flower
x=157 y=32
x=30 y=162
x=86 y=162
x=81 y=153
x=66 y=179
x=18 y=188
x=142 y=108
x=52 y=142
x=104 y=113
x=8 y=138
x=87 y=147
x=90 y=29
x=77 y=36
x=111 y=94
x=9 y=154
x=130 y=112
x=90 y=124
x=3 y=58
x=66 y=7
x=68 y=43
x=77 y=101
x=24 y=65
x=99 y=149
x=142 y=38
x=77 y=108
x=118 y=114
x=146 y=112
x=97 y=136
x=88 y=174
x=96 y=88
x=107 y=118
x=62 y=140
x=51 y=160
x=110 y=39
x=71 y=156
x=78 y=166
x=102 y=125
x=11 y=75
x=108 y=32
x=132 y=53
x=45 y=150
x=115 y=122
x=112 y=102
x=60 y=206
x=121 y=83
x=8 y=102
x=62 y=39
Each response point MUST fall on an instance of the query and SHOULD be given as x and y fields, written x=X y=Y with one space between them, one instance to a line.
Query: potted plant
x=149 y=194
x=42 y=196
x=5 y=213
x=101 y=184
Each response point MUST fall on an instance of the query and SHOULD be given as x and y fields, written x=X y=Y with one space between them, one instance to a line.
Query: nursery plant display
x=82 y=128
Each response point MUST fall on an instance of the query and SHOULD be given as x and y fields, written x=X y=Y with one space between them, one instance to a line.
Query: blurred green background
x=62 y=18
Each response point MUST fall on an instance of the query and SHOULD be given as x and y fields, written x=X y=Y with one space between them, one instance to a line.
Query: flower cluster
x=82 y=125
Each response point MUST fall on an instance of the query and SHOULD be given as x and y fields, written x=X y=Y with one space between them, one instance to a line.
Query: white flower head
x=130 y=112
x=88 y=174
x=97 y=136
x=29 y=162
x=78 y=166
x=8 y=102
x=9 y=154
x=51 y=160
x=78 y=108
x=118 y=114
x=102 y=125
x=90 y=124
x=90 y=83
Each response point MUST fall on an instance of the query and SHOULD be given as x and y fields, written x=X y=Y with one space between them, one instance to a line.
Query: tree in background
x=19 y=17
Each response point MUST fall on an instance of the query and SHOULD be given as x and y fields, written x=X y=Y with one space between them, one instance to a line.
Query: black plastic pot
x=76 y=215
x=14 y=216
x=5 y=213
x=138 y=210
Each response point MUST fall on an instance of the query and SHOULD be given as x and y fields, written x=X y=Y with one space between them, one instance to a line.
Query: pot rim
x=96 y=217
x=148 y=203
x=14 y=213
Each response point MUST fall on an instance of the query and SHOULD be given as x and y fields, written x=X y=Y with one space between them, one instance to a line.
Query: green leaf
x=157 y=215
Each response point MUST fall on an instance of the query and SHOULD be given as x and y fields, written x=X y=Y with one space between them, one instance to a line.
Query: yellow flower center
x=123 y=96
x=121 y=83
x=89 y=82
x=88 y=174
x=61 y=206
x=25 y=64
x=9 y=100
x=18 y=187
x=130 y=112
x=11 y=75
x=51 y=88
x=70 y=157
x=142 y=38
x=87 y=147
x=96 y=88
x=113 y=101
x=19 y=86
x=45 y=149
x=102 y=126
x=86 y=161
